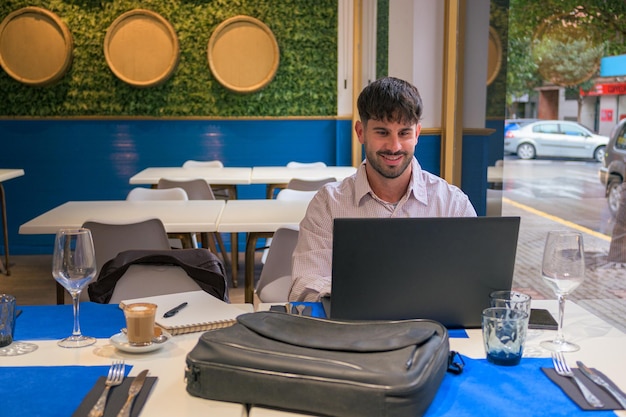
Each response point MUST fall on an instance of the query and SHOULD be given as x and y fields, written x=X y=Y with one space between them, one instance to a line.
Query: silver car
x=555 y=138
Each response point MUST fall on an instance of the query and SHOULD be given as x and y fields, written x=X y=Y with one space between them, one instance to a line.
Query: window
x=546 y=128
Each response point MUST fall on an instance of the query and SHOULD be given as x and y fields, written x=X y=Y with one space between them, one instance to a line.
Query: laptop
x=435 y=268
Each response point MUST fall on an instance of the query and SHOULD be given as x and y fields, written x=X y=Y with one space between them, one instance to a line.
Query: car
x=555 y=138
x=613 y=169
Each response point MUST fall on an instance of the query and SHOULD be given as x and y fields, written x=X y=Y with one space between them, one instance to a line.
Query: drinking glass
x=74 y=266
x=563 y=269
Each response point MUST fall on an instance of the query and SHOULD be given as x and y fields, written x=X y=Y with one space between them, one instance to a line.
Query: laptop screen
x=436 y=268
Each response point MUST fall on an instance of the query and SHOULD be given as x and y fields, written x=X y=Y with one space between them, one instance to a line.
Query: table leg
x=4 y=269
x=269 y=193
x=249 y=263
x=234 y=257
x=60 y=294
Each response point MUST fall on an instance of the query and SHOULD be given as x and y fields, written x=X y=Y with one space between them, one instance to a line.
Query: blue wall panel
x=93 y=159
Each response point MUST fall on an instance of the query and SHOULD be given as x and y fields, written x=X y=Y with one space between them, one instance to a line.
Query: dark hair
x=390 y=99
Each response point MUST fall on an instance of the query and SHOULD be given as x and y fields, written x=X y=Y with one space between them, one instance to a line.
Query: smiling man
x=389 y=183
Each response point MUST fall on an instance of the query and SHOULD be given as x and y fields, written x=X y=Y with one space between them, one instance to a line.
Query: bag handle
x=338 y=335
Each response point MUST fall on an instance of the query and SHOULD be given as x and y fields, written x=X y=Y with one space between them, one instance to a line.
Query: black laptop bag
x=324 y=367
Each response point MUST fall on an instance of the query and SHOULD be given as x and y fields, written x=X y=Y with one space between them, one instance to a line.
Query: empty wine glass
x=74 y=266
x=563 y=269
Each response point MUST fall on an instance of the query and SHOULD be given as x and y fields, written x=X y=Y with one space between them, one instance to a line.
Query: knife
x=134 y=389
x=598 y=380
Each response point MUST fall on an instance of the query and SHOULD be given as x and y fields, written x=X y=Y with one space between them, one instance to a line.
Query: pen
x=175 y=310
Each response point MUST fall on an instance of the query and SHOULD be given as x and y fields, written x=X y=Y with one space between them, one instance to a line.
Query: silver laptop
x=437 y=268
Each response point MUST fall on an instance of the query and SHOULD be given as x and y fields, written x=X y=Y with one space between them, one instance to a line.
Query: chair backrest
x=294 y=164
x=111 y=239
x=209 y=164
x=308 y=185
x=197 y=189
x=149 y=280
x=145 y=194
x=275 y=280
x=295 y=195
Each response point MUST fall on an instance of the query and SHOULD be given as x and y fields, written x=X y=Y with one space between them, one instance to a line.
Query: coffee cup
x=140 y=323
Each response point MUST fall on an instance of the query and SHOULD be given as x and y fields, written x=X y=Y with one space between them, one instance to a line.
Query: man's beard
x=383 y=169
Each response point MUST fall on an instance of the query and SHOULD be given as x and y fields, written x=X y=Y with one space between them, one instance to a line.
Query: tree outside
x=560 y=42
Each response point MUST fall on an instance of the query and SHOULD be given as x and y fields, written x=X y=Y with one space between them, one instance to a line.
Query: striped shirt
x=427 y=196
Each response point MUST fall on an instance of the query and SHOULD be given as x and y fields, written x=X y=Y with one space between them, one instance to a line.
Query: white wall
x=416 y=51
x=476 y=58
x=344 y=57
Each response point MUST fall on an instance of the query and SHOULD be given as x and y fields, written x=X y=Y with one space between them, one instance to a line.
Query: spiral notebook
x=203 y=311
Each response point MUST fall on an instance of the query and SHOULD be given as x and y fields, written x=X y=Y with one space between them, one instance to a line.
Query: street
x=568 y=189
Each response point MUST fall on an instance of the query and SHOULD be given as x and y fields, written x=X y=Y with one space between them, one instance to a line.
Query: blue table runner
x=50 y=322
x=46 y=391
x=485 y=389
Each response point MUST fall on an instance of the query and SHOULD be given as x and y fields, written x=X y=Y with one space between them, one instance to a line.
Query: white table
x=5 y=175
x=227 y=177
x=168 y=396
x=177 y=216
x=279 y=176
x=260 y=219
x=602 y=346
x=220 y=176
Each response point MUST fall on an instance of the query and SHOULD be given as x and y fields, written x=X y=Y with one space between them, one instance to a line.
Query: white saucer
x=120 y=341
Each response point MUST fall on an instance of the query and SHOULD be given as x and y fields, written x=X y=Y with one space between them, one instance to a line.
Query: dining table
x=189 y=216
x=54 y=381
x=5 y=175
x=279 y=176
x=177 y=216
x=228 y=177
x=259 y=218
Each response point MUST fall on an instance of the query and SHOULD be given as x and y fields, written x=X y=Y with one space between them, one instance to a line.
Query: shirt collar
x=417 y=185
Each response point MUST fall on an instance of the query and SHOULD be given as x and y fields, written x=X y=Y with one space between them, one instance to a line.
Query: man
x=389 y=183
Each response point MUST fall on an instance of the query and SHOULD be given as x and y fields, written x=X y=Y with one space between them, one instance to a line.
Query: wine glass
x=563 y=269
x=74 y=266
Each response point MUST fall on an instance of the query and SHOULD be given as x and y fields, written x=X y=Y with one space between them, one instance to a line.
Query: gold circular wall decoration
x=35 y=46
x=243 y=54
x=494 y=57
x=141 y=48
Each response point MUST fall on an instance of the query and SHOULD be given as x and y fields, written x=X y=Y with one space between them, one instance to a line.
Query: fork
x=115 y=377
x=562 y=368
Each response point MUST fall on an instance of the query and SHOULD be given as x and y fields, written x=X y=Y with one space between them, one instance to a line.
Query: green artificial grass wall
x=304 y=85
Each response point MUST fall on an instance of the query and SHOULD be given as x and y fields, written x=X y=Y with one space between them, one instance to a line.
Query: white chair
x=308 y=185
x=312 y=185
x=286 y=195
x=198 y=189
x=111 y=239
x=295 y=164
x=177 y=240
x=275 y=280
x=210 y=164
x=221 y=192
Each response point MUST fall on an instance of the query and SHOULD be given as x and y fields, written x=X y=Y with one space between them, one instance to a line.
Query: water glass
x=504 y=334
x=511 y=299
x=7 y=319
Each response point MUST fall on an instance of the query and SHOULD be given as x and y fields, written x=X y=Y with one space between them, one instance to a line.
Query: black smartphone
x=281 y=308
x=541 y=319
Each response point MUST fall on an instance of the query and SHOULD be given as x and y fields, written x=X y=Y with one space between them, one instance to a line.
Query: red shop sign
x=607 y=89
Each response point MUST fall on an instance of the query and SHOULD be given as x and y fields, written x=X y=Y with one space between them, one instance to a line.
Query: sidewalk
x=604 y=290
